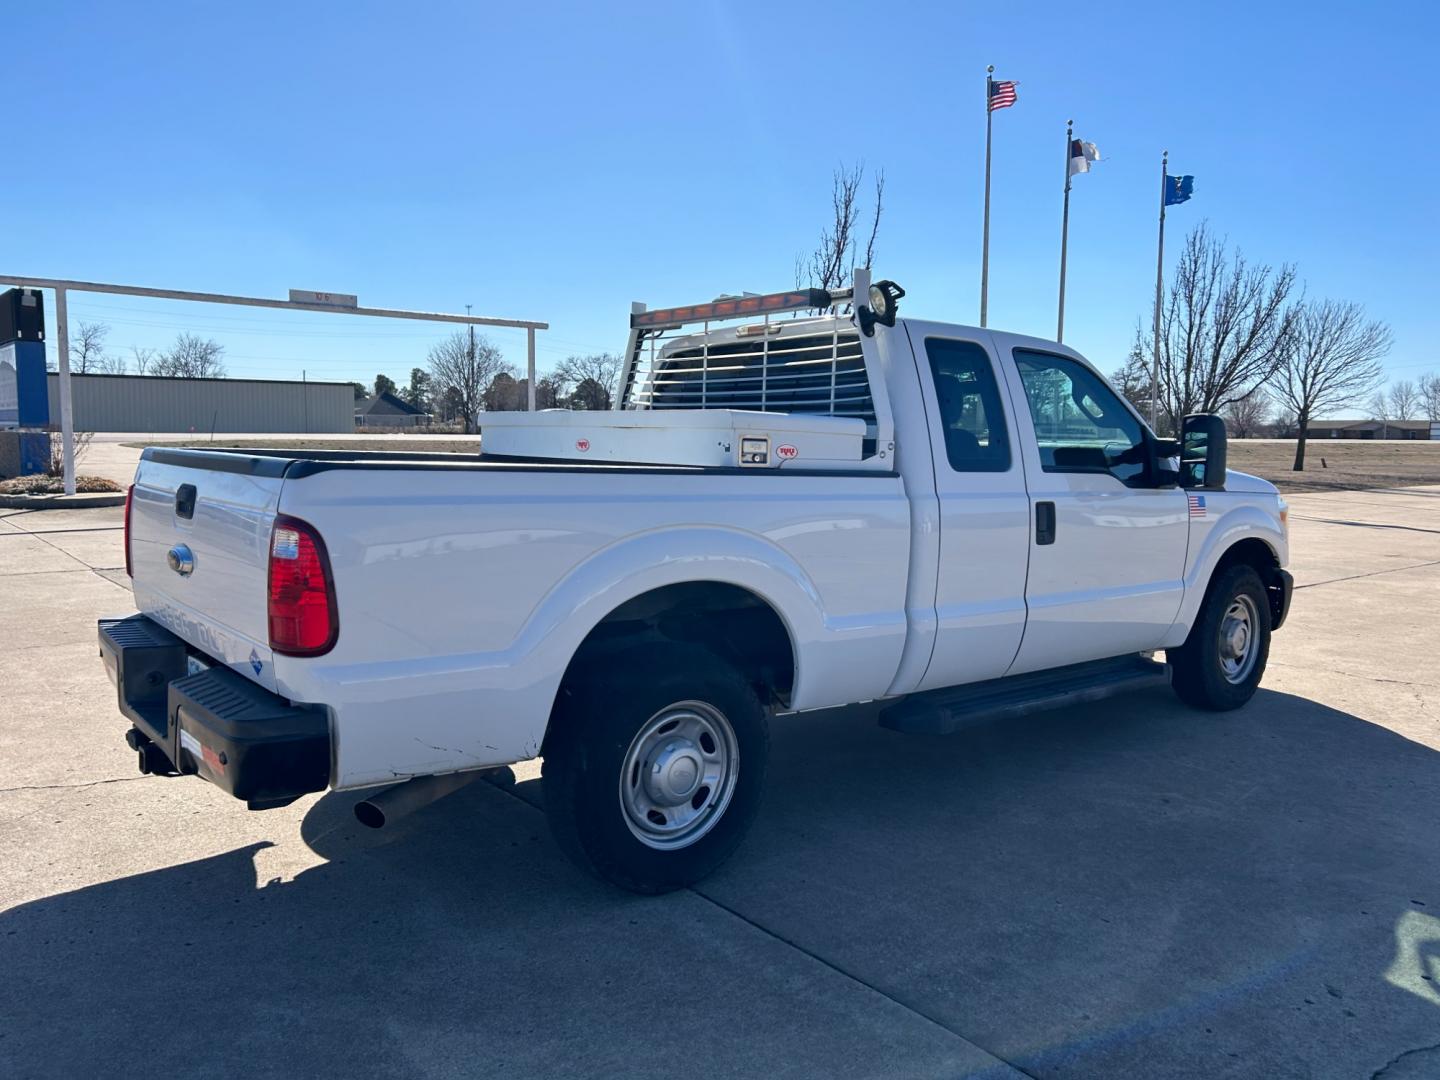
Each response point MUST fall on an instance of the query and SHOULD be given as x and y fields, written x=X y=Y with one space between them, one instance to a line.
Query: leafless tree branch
x=1225 y=324
x=463 y=368
x=190 y=357
x=1330 y=359
x=834 y=259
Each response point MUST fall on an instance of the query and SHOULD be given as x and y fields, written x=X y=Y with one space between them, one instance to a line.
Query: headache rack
x=784 y=359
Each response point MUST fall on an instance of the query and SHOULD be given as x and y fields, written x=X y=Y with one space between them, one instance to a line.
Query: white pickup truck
x=791 y=513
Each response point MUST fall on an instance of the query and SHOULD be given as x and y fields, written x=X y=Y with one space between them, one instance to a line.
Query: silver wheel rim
x=678 y=775
x=1239 y=646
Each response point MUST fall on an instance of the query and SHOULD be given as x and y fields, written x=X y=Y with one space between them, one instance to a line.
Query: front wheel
x=654 y=766
x=1223 y=659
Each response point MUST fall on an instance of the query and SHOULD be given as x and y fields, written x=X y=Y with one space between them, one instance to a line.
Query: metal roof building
x=160 y=403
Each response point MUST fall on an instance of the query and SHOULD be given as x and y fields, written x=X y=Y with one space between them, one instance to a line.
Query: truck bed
x=464 y=584
x=295 y=464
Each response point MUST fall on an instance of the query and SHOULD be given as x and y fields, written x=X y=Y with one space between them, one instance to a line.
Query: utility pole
x=1159 y=279
x=1064 y=232
x=985 y=243
x=472 y=348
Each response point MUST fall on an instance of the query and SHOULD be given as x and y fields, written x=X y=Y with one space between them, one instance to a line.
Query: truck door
x=1107 y=544
x=984 y=512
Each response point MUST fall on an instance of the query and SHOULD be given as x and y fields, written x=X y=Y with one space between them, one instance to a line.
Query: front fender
x=1244 y=522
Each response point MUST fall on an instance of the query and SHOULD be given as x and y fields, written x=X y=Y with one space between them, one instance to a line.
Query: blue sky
x=557 y=162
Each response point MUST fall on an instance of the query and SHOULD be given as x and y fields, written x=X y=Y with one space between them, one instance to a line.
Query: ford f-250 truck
x=797 y=512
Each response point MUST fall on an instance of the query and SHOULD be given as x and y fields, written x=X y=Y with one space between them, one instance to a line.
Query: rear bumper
x=213 y=723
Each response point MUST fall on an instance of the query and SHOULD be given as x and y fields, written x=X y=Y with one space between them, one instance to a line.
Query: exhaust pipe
x=394 y=803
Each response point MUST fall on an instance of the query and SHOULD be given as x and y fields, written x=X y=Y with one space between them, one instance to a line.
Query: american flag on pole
x=1002 y=95
x=1197 y=505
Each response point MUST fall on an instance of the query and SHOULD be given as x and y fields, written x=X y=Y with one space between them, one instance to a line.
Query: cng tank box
x=690 y=437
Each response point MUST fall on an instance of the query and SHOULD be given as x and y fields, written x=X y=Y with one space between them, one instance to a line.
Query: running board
x=941 y=712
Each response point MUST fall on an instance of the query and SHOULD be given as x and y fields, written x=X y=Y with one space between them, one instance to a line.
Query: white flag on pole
x=1081 y=155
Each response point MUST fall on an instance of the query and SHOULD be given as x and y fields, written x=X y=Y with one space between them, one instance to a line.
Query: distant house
x=1370 y=429
x=387 y=410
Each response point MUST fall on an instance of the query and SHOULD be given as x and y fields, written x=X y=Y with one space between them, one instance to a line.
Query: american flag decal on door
x=1197 y=505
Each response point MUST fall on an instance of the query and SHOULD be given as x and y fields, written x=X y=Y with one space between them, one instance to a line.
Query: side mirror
x=1165 y=451
x=1202 y=451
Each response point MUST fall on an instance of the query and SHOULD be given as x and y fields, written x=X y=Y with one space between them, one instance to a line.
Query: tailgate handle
x=185 y=501
x=1044 y=523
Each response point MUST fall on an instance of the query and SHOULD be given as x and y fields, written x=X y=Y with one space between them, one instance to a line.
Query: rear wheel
x=1222 y=661
x=654 y=766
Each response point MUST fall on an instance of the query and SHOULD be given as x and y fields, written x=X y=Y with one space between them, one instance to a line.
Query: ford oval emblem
x=181 y=560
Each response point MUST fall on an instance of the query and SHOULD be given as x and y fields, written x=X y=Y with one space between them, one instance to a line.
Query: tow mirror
x=1202 y=451
x=1166 y=451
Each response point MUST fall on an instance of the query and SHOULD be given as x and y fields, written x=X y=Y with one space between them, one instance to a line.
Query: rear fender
x=637 y=565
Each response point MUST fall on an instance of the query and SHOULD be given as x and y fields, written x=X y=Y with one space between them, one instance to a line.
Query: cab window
x=1080 y=424
x=970 y=411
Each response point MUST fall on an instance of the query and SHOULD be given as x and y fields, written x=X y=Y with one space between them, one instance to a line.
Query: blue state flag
x=1178 y=189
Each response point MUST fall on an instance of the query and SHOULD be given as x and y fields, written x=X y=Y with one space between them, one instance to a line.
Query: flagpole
x=985 y=244
x=1159 y=278
x=1064 y=231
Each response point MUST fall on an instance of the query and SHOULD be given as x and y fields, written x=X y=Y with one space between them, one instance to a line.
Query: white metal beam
x=62 y=331
x=264 y=302
x=67 y=416
x=530 y=366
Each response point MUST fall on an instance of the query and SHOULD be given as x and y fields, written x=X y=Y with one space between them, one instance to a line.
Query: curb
x=62 y=502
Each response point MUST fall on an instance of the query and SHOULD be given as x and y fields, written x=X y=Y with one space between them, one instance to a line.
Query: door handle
x=1044 y=523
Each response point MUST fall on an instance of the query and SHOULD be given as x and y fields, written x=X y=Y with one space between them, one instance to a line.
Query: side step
x=941 y=712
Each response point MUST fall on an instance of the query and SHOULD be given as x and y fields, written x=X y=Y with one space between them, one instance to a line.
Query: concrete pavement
x=112 y=455
x=1127 y=889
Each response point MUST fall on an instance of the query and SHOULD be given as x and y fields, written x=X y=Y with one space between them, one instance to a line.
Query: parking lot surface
x=1131 y=888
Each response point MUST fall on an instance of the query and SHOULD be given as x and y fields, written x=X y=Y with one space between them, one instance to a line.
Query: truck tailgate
x=199 y=553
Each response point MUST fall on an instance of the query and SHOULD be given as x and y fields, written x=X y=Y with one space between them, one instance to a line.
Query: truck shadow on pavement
x=1125 y=889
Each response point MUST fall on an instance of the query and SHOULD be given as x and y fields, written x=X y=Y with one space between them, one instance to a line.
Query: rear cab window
x=971 y=412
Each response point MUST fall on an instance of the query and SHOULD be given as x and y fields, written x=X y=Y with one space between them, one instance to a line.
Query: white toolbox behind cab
x=694 y=437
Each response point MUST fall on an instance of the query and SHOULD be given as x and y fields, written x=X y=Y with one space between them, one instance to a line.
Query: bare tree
x=112 y=364
x=1246 y=417
x=80 y=446
x=601 y=370
x=144 y=359
x=1283 y=425
x=1132 y=379
x=1404 y=400
x=1224 y=326
x=191 y=357
x=87 y=347
x=833 y=262
x=465 y=365
x=1378 y=406
x=1430 y=395
x=1331 y=359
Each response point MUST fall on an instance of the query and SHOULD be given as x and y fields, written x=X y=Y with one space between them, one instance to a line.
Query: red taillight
x=129 y=498
x=303 y=619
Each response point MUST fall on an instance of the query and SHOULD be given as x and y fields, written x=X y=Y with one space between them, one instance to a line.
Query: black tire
x=601 y=711
x=1198 y=667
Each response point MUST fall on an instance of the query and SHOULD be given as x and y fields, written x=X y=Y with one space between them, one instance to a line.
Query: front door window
x=1080 y=423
